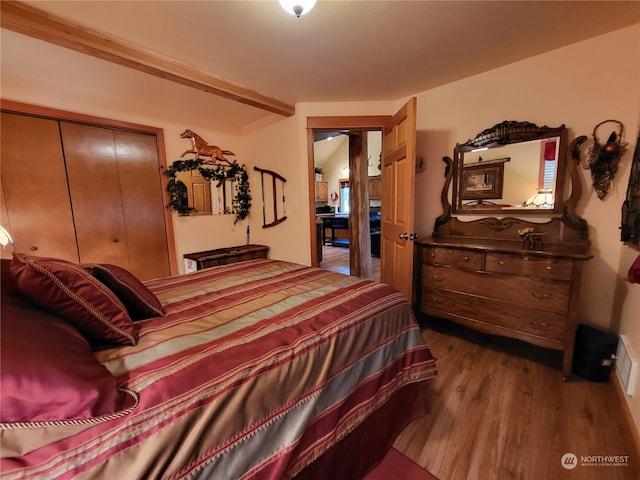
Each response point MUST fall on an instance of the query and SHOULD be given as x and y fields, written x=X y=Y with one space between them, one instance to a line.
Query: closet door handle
x=115 y=240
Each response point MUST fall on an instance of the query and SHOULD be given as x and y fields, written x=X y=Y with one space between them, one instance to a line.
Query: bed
x=260 y=370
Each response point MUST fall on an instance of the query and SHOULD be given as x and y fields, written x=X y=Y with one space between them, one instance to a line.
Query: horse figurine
x=200 y=147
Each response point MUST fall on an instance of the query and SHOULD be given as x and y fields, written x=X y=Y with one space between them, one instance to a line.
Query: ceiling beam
x=36 y=23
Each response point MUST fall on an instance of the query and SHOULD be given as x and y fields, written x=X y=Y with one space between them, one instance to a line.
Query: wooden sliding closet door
x=142 y=204
x=116 y=198
x=34 y=186
x=94 y=187
x=84 y=192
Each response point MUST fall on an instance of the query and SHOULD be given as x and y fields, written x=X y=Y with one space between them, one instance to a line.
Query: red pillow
x=69 y=291
x=49 y=372
x=139 y=300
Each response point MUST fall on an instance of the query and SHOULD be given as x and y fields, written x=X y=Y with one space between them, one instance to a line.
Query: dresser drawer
x=453 y=256
x=543 y=294
x=541 y=324
x=529 y=266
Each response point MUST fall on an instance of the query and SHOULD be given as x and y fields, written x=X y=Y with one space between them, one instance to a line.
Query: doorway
x=334 y=151
x=397 y=182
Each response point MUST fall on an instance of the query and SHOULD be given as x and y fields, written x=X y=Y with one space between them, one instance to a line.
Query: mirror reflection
x=205 y=196
x=521 y=175
x=515 y=166
x=222 y=197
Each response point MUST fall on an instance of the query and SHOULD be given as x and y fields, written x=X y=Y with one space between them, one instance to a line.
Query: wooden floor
x=336 y=259
x=500 y=410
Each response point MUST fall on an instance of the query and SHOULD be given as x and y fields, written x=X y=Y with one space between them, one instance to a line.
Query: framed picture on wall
x=481 y=182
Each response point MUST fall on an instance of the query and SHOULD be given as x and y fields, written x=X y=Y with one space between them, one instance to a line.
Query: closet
x=85 y=193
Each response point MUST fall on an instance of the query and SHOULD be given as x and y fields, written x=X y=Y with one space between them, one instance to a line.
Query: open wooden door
x=398 y=185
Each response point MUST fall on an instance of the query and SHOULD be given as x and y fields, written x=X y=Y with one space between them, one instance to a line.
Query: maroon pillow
x=69 y=291
x=139 y=300
x=49 y=372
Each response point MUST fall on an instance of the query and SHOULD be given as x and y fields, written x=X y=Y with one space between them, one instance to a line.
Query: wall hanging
x=271 y=193
x=218 y=168
x=200 y=147
x=630 y=229
x=604 y=158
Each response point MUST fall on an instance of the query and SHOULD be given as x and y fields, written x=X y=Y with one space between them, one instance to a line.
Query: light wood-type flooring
x=500 y=410
x=336 y=259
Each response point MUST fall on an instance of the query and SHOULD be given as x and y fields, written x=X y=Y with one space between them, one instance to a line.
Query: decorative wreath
x=179 y=201
x=603 y=159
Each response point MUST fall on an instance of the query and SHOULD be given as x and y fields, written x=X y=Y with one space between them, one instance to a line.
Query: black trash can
x=594 y=353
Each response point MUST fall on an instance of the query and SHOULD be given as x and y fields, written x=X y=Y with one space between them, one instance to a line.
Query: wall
x=55 y=77
x=58 y=78
x=566 y=86
x=283 y=145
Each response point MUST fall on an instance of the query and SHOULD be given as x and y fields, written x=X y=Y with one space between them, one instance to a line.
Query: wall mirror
x=199 y=187
x=206 y=197
x=510 y=168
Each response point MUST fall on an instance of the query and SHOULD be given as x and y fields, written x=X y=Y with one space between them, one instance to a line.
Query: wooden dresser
x=508 y=275
x=497 y=287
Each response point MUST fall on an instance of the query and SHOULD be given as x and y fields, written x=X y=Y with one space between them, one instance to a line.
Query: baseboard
x=624 y=407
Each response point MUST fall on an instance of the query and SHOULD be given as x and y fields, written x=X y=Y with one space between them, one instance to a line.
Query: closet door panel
x=94 y=187
x=34 y=185
x=143 y=205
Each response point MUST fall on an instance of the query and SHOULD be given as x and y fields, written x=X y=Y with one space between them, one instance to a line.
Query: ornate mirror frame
x=505 y=133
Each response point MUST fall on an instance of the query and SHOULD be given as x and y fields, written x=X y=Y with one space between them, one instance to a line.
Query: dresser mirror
x=512 y=168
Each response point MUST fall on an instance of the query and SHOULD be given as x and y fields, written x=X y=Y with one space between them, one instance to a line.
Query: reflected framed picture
x=481 y=182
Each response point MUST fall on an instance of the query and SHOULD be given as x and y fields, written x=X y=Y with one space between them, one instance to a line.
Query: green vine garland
x=178 y=199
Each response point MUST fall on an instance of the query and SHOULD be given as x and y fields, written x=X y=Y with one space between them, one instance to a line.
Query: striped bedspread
x=257 y=369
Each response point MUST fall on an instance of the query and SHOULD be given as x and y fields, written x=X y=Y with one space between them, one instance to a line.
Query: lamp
x=5 y=237
x=542 y=199
x=297 y=7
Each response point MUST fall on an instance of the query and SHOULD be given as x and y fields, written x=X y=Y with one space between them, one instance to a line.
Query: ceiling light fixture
x=297 y=7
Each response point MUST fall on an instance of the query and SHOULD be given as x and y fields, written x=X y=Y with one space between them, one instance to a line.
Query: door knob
x=413 y=236
x=404 y=236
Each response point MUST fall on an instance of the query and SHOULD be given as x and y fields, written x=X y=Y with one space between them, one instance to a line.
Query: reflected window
x=344 y=196
x=547 y=177
x=222 y=197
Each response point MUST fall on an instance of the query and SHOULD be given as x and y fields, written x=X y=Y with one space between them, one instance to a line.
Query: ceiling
x=345 y=50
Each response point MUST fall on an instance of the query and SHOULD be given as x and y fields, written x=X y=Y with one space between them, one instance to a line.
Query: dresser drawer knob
x=549 y=268
x=501 y=262
x=437 y=278
x=466 y=259
x=433 y=255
